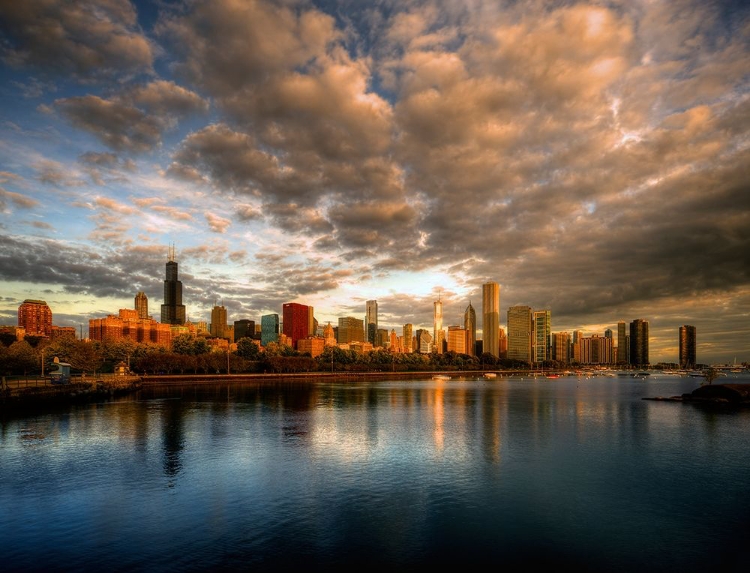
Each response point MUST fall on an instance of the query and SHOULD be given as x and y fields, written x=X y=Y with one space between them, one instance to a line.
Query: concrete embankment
x=39 y=390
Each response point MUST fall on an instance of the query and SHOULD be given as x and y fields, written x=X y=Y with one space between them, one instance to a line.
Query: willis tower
x=172 y=311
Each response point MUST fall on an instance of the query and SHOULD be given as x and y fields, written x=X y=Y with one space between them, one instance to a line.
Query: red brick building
x=35 y=317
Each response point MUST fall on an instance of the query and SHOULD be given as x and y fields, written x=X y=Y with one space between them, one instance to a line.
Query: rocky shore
x=713 y=394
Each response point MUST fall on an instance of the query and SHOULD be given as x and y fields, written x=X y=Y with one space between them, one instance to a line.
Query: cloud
x=19 y=200
x=248 y=213
x=93 y=38
x=55 y=173
x=217 y=224
x=134 y=120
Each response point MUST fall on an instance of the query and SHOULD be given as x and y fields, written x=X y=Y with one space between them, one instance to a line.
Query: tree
x=248 y=348
x=86 y=356
x=19 y=358
x=183 y=344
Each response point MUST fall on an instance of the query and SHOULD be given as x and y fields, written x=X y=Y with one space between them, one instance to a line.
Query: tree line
x=190 y=355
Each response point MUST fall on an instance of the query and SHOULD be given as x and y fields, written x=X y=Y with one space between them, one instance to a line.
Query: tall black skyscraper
x=687 y=346
x=172 y=311
x=639 y=342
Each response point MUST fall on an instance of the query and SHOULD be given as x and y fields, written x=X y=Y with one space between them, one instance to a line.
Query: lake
x=572 y=473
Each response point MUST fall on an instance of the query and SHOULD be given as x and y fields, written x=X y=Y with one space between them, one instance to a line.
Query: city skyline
x=590 y=158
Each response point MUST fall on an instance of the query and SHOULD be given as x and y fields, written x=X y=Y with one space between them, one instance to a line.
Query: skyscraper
x=622 y=343
x=687 y=346
x=491 y=318
x=218 y=321
x=244 y=328
x=457 y=339
x=269 y=328
x=408 y=330
x=350 y=330
x=141 y=304
x=172 y=311
x=296 y=321
x=35 y=317
x=520 y=327
x=437 y=325
x=542 y=331
x=470 y=325
x=371 y=321
x=639 y=342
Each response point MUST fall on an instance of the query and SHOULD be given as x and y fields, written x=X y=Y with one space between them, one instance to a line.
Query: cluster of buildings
x=529 y=337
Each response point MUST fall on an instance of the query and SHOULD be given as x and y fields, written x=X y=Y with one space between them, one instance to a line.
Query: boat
x=490 y=375
x=441 y=377
x=553 y=375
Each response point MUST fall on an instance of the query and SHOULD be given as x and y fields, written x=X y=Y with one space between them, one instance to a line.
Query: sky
x=590 y=157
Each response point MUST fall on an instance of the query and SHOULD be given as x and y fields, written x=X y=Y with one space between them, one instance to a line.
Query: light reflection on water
x=570 y=472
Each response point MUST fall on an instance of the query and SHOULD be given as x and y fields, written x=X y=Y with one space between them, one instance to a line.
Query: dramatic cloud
x=135 y=120
x=86 y=38
x=590 y=157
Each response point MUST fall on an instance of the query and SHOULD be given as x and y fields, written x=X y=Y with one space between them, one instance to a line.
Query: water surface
x=576 y=473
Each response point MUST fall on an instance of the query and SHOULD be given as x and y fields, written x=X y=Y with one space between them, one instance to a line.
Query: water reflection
x=392 y=474
x=173 y=440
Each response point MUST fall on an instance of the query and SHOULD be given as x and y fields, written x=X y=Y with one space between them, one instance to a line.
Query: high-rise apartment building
x=687 y=346
x=350 y=330
x=141 y=304
x=296 y=321
x=269 y=328
x=371 y=321
x=491 y=318
x=561 y=347
x=172 y=311
x=218 y=322
x=542 y=332
x=520 y=328
x=639 y=342
x=622 y=343
x=502 y=340
x=35 y=317
x=406 y=344
x=470 y=325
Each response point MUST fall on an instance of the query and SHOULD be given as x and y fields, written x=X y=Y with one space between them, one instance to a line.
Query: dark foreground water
x=571 y=473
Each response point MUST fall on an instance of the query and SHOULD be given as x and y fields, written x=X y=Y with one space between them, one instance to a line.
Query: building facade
x=437 y=325
x=350 y=330
x=542 y=332
x=408 y=331
x=269 y=328
x=35 y=317
x=688 y=344
x=296 y=321
x=639 y=343
x=622 y=343
x=491 y=318
x=457 y=339
x=244 y=328
x=218 y=326
x=470 y=325
x=371 y=321
x=141 y=304
x=520 y=329
x=172 y=311
x=127 y=325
